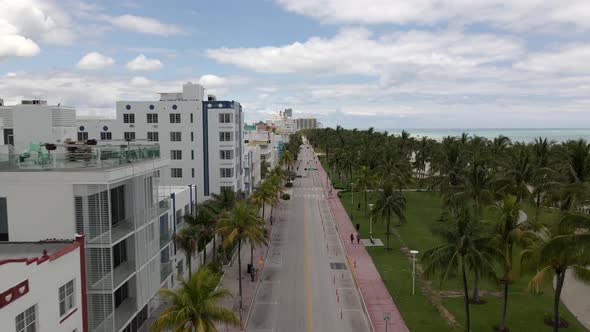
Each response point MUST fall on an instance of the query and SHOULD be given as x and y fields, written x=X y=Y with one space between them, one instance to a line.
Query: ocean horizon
x=515 y=134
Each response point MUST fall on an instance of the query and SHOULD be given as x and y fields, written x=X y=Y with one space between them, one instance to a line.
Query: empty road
x=306 y=284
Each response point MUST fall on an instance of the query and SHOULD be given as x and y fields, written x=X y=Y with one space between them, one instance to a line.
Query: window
x=178 y=216
x=193 y=173
x=174 y=117
x=175 y=136
x=3 y=219
x=153 y=136
x=180 y=267
x=151 y=107
x=119 y=253
x=67 y=299
x=128 y=118
x=27 y=321
x=117 y=205
x=82 y=136
x=174 y=107
x=121 y=294
x=225 y=118
x=128 y=107
x=192 y=136
x=129 y=135
x=187 y=210
x=225 y=136
x=176 y=154
x=176 y=172
x=106 y=136
x=152 y=118
x=227 y=172
x=191 y=117
x=226 y=154
x=192 y=154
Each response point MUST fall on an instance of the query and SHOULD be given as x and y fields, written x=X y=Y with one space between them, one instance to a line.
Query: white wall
x=44 y=282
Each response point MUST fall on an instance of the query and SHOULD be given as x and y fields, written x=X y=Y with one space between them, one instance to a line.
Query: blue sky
x=379 y=63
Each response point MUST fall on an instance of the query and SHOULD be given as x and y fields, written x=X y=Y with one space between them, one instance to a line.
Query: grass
x=525 y=310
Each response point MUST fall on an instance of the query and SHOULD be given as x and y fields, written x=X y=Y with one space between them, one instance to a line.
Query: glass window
x=117 y=205
x=226 y=154
x=192 y=136
x=176 y=172
x=174 y=117
x=225 y=118
x=225 y=136
x=119 y=253
x=121 y=294
x=82 y=136
x=176 y=154
x=175 y=136
x=129 y=135
x=191 y=117
x=67 y=299
x=128 y=118
x=193 y=173
x=106 y=136
x=153 y=136
x=226 y=172
x=152 y=118
x=27 y=321
x=3 y=220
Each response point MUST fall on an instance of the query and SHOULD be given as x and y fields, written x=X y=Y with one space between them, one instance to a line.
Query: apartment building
x=111 y=193
x=202 y=138
x=306 y=123
x=267 y=143
x=40 y=288
x=35 y=121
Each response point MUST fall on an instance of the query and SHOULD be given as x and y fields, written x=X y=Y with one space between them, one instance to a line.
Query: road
x=306 y=282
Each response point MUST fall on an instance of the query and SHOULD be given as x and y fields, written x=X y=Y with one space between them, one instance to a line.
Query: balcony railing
x=121 y=230
x=165 y=238
x=122 y=272
x=165 y=271
x=124 y=312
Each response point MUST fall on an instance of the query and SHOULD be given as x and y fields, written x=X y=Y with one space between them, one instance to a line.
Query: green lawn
x=526 y=310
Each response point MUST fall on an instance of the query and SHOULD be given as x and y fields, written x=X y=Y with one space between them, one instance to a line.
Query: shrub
x=286 y=197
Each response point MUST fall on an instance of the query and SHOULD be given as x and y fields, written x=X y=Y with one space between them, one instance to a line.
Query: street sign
x=386 y=316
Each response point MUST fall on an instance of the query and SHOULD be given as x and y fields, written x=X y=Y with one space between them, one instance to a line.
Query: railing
x=165 y=238
x=165 y=271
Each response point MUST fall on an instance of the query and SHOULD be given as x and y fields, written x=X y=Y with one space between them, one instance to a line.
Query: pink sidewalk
x=372 y=288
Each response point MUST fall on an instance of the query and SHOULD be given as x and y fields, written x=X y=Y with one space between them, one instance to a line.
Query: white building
x=40 y=288
x=35 y=121
x=267 y=144
x=306 y=123
x=202 y=138
x=111 y=194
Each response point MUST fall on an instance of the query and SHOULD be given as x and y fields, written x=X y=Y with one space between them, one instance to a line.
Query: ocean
x=515 y=134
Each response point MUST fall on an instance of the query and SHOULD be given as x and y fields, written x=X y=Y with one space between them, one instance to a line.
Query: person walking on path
x=351 y=238
x=358 y=238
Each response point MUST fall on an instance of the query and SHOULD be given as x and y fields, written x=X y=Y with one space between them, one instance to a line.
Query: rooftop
x=31 y=251
x=79 y=156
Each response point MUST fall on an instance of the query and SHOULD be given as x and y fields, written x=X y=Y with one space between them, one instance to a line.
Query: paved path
x=373 y=290
x=306 y=284
x=576 y=297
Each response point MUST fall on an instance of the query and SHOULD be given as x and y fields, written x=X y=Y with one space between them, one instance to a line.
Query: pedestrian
x=358 y=238
x=351 y=238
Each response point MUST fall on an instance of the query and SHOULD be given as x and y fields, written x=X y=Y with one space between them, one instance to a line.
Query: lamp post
x=414 y=253
x=371 y=221
x=352 y=191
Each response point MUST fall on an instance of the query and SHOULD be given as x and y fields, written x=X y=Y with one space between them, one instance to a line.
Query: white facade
x=35 y=121
x=127 y=218
x=306 y=123
x=187 y=128
x=41 y=291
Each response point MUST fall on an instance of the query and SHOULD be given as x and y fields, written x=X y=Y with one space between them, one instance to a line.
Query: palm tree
x=389 y=203
x=569 y=249
x=207 y=218
x=187 y=240
x=508 y=234
x=263 y=195
x=242 y=223
x=195 y=305
x=463 y=244
x=365 y=181
x=224 y=201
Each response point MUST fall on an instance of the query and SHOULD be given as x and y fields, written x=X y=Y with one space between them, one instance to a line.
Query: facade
x=306 y=123
x=200 y=137
x=110 y=193
x=35 y=121
x=266 y=146
x=41 y=286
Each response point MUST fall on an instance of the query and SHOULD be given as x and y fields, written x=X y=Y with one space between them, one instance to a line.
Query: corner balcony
x=124 y=312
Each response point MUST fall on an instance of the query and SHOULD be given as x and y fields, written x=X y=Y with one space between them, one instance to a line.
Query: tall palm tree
x=366 y=180
x=207 y=218
x=567 y=249
x=187 y=240
x=195 y=305
x=463 y=244
x=224 y=201
x=389 y=203
x=242 y=223
x=507 y=236
x=263 y=195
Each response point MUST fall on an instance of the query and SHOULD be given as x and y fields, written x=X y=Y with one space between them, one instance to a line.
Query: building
x=306 y=123
x=266 y=145
x=41 y=286
x=202 y=138
x=35 y=121
x=111 y=194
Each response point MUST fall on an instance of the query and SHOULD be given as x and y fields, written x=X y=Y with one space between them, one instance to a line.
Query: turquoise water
x=515 y=134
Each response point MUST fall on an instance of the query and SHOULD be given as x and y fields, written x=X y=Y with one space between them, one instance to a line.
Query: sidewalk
x=372 y=288
x=575 y=295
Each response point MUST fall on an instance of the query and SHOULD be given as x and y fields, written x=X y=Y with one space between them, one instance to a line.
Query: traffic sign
x=386 y=316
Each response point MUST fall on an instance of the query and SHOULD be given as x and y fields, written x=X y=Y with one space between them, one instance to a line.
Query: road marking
x=307 y=270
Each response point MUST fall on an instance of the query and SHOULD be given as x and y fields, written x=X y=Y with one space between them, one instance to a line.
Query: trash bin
x=358 y=227
x=249 y=268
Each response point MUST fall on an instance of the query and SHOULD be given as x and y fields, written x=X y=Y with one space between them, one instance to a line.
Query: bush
x=286 y=197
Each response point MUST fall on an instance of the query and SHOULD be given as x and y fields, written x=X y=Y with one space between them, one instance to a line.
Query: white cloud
x=141 y=63
x=140 y=81
x=571 y=59
x=142 y=24
x=94 y=60
x=15 y=45
x=507 y=14
x=356 y=51
x=210 y=81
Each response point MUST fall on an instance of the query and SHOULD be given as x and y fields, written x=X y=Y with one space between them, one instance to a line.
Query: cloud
x=141 y=63
x=529 y=14
x=142 y=24
x=94 y=60
x=568 y=59
x=371 y=55
x=15 y=45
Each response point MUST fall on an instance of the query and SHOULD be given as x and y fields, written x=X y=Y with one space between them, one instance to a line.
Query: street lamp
x=352 y=191
x=414 y=253
x=371 y=221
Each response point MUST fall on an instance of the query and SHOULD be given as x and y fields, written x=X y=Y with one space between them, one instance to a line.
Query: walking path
x=373 y=290
x=575 y=295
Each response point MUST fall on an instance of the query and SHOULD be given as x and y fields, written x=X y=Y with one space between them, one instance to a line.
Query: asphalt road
x=306 y=282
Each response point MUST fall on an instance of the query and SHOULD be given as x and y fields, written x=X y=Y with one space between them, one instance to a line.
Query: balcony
x=122 y=272
x=165 y=238
x=164 y=205
x=124 y=312
x=165 y=270
x=121 y=230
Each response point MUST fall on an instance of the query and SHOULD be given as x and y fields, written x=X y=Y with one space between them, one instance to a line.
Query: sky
x=371 y=63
